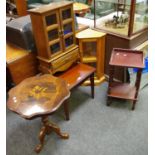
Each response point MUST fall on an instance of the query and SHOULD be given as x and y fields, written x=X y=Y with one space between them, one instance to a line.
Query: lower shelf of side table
x=122 y=91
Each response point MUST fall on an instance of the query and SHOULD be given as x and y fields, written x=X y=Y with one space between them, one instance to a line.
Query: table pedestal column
x=47 y=128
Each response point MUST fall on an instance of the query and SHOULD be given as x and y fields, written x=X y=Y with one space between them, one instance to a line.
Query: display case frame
x=131 y=22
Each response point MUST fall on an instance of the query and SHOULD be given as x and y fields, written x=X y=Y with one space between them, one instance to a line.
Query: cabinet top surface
x=49 y=7
x=89 y=33
x=13 y=53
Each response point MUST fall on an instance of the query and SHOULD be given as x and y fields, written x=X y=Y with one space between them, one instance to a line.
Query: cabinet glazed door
x=88 y=50
x=53 y=31
x=68 y=27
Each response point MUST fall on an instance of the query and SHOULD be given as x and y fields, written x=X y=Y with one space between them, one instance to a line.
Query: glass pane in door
x=69 y=41
x=89 y=49
x=51 y=19
x=66 y=14
x=141 y=15
x=55 y=48
x=68 y=28
x=53 y=34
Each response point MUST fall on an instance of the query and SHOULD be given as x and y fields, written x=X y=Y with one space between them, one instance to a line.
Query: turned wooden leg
x=46 y=129
x=133 y=105
x=66 y=109
x=41 y=138
x=137 y=85
x=92 y=85
x=111 y=74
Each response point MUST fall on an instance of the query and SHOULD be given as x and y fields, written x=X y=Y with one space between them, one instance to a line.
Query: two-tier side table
x=127 y=59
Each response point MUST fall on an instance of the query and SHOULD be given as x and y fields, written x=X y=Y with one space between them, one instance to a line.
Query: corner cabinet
x=54 y=33
x=92 y=51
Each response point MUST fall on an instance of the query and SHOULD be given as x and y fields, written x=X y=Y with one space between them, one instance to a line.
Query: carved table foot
x=57 y=130
x=38 y=148
x=47 y=128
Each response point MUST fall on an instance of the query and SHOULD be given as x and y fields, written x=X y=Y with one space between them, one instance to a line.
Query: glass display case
x=122 y=17
x=141 y=15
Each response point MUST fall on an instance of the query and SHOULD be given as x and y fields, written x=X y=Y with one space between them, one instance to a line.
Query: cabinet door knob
x=59 y=32
x=62 y=31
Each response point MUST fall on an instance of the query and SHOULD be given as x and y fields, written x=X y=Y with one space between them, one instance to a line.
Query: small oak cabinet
x=54 y=32
x=92 y=51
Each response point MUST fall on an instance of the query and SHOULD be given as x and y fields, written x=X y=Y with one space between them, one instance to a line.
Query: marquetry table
x=39 y=96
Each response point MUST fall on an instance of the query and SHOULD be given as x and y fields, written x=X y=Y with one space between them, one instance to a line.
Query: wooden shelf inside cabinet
x=54 y=33
x=92 y=51
x=89 y=59
x=127 y=59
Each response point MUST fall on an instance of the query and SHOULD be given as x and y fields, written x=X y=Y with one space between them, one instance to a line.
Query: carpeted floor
x=94 y=128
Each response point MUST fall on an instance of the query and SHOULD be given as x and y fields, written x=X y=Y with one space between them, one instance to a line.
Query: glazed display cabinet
x=54 y=32
x=124 y=17
x=126 y=25
x=92 y=52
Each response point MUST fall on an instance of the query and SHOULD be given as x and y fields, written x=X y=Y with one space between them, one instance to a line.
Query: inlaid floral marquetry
x=41 y=91
x=38 y=95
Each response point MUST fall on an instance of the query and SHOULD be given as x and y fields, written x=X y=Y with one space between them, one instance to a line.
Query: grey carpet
x=94 y=128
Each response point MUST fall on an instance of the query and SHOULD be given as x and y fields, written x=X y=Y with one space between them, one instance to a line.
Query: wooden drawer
x=65 y=61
